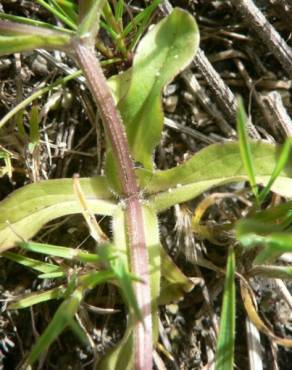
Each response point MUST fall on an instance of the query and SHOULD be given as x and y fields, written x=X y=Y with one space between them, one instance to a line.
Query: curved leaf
x=25 y=211
x=165 y=50
x=215 y=165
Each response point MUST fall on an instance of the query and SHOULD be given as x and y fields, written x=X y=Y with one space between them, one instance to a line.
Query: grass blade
x=65 y=19
x=37 y=265
x=225 y=344
x=119 y=10
x=245 y=148
x=141 y=18
x=280 y=164
x=58 y=251
x=146 y=15
x=34 y=128
x=62 y=318
x=37 y=94
x=67 y=12
x=37 y=297
x=33 y=22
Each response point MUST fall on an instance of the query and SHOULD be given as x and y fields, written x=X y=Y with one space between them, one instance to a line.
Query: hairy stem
x=134 y=216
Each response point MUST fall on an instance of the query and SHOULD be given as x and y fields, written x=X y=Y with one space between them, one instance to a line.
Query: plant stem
x=134 y=216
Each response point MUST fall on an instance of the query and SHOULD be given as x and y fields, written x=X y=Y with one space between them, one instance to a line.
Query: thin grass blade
x=60 y=15
x=58 y=251
x=34 y=129
x=280 y=164
x=141 y=17
x=33 y=22
x=67 y=12
x=126 y=284
x=62 y=318
x=119 y=10
x=40 y=266
x=144 y=20
x=245 y=148
x=37 y=297
x=225 y=344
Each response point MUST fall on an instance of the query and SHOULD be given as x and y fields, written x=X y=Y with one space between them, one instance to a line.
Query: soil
x=246 y=64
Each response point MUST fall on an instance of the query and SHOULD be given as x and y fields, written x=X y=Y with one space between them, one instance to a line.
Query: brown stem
x=134 y=216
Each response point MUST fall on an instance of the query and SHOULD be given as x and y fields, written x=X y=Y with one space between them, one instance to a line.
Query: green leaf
x=34 y=129
x=225 y=343
x=126 y=284
x=24 y=103
x=273 y=245
x=120 y=357
x=58 y=251
x=280 y=212
x=245 y=147
x=31 y=299
x=33 y=22
x=122 y=274
x=165 y=51
x=62 y=318
x=89 y=25
x=70 y=8
x=143 y=18
x=59 y=13
x=119 y=9
x=26 y=210
x=215 y=165
x=140 y=19
x=36 y=265
x=280 y=164
x=174 y=284
x=87 y=281
x=16 y=44
x=273 y=238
